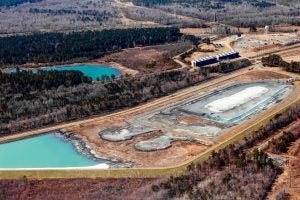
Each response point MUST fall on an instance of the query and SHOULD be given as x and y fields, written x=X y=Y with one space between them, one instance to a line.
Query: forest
x=34 y=100
x=226 y=175
x=203 y=3
x=233 y=172
x=281 y=144
x=16 y=2
x=59 y=47
x=277 y=61
x=239 y=13
x=226 y=67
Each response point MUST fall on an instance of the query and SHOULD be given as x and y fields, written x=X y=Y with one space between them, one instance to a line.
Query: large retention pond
x=45 y=151
x=92 y=71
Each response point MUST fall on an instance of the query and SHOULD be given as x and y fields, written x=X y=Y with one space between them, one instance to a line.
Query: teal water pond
x=92 y=71
x=44 y=151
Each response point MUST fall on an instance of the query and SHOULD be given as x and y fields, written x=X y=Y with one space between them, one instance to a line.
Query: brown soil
x=149 y=59
x=209 y=50
x=196 y=120
x=258 y=49
x=194 y=31
x=292 y=55
x=254 y=75
x=191 y=120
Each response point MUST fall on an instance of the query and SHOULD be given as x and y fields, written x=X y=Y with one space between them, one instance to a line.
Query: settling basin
x=51 y=150
x=92 y=71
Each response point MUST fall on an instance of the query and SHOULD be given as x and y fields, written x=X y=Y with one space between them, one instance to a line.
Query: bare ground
x=149 y=59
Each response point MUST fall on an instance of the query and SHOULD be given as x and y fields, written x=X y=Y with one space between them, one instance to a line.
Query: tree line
x=204 y=3
x=85 y=15
x=227 y=67
x=281 y=144
x=277 y=61
x=59 y=47
x=24 y=82
x=16 y=2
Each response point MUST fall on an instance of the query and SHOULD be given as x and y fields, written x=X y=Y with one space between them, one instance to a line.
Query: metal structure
x=214 y=59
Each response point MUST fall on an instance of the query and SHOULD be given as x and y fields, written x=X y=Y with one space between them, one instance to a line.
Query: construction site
x=248 y=45
x=197 y=121
x=175 y=129
x=187 y=124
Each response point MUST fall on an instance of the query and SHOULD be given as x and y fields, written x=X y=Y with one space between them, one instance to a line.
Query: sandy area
x=292 y=55
x=195 y=31
x=203 y=54
x=124 y=70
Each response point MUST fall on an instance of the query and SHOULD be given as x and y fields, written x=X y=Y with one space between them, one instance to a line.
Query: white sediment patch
x=99 y=166
x=122 y=134
x=237 y=99
x=154 y=144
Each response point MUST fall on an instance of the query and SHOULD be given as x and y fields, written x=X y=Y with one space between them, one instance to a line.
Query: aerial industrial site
x=139 y=99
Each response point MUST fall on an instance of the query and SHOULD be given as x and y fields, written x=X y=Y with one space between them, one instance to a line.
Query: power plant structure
x=214 y=59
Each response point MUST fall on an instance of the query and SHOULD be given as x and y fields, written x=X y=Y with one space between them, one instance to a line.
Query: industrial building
x=214 y=59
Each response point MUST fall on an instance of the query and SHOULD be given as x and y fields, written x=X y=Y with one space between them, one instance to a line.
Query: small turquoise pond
x=45 y=151
x=92 y=71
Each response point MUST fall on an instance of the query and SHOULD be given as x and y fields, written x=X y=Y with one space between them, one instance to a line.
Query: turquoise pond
x=44 y=151
x=92 y=71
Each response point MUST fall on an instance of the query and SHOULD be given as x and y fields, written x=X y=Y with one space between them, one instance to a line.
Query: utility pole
x=215 y=19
